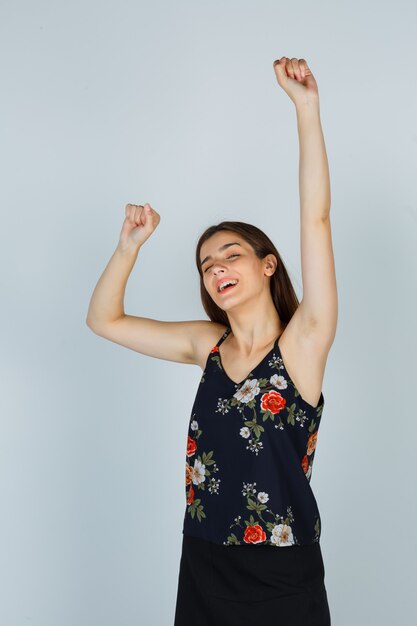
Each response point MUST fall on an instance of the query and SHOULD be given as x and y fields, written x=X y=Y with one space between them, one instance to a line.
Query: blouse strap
x=223 y=337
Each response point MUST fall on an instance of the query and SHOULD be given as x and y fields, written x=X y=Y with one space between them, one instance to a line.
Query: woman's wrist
x=309 y=106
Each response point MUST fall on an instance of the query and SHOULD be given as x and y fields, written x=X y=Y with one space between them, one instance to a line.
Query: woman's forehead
x=219 y=241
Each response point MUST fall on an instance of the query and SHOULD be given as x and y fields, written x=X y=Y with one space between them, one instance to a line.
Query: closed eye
x=229 y=257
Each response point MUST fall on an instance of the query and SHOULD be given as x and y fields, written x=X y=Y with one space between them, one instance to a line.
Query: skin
x=307 y=338
x=254 y=320
x=249 y=306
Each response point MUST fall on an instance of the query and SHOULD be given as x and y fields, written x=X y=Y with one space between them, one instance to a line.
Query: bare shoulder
x=304 y=349
x=205 y=336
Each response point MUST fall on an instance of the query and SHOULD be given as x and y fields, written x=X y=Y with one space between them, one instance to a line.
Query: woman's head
x=252 y=260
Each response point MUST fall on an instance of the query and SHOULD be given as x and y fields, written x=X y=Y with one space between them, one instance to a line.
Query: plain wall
x=177 y=104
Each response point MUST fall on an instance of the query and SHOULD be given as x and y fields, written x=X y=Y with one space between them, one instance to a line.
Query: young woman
x=251 y=549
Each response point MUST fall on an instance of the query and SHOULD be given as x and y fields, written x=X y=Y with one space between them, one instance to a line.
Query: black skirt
x=249 y=585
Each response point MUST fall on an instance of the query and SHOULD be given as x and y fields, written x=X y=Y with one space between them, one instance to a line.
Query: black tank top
x=249 y=456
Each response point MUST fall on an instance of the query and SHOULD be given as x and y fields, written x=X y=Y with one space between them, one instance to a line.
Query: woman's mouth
x=227 y=289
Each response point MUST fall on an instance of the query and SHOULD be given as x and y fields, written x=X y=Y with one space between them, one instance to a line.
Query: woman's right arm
x=172 y=341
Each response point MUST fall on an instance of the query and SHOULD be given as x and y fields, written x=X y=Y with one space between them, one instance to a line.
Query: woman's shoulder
x=205 y=337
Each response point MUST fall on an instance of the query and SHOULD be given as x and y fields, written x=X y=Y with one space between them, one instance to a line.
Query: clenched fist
x=297 y=80
x=140 y=222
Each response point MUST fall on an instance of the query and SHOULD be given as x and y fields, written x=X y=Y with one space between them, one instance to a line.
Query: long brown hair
x=282 y=291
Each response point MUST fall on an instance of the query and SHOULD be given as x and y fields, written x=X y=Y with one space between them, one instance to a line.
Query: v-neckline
x=261 y=362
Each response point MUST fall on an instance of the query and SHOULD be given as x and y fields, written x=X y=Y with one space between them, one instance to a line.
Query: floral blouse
x=249 y=456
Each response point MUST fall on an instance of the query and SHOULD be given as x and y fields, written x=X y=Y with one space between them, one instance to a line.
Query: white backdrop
x=177 y=104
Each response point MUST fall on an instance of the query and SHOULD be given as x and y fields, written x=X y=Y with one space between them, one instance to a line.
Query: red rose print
x=191 y=446
x=215 y=349
x=273 y=401
x=254 y=534
x=312 y=441
x=304 y=463
x=190 y=495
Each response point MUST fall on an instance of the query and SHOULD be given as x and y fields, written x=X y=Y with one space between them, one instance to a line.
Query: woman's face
x=221 y=261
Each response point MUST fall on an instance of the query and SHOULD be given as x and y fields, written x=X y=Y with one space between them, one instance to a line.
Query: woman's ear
x=270 y=264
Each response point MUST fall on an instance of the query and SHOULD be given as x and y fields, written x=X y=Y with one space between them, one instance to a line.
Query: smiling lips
x=224 y=280
x=227 y=289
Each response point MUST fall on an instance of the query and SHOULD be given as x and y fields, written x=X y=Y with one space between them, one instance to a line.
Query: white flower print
x=194 y=425
x=282 y=535
x=199 y=472
x=213 y=485
x=222 y=406
x=254 y=528
x=277 y=362
x=245 y=432
x=301 y=417
x=290 y=515
x=263 y=497
x=248 y=489
x=248 y=390
x=255 y=445
x=279 y=381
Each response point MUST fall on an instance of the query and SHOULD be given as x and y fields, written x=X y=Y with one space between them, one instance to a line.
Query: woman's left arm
x=318 y=307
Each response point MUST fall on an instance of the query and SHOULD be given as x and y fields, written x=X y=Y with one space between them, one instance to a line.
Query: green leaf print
x=207 y=460
x=257 y=428
x=278 y=535
x=198 y=475
x=255 y=506
x=291 y=410
x=200 y=513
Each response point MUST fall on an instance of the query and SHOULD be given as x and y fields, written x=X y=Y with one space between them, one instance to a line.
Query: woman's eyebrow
x=223 y=247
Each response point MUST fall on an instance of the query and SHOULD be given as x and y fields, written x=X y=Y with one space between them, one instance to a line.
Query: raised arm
x=173 y=341
x=318 y=309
